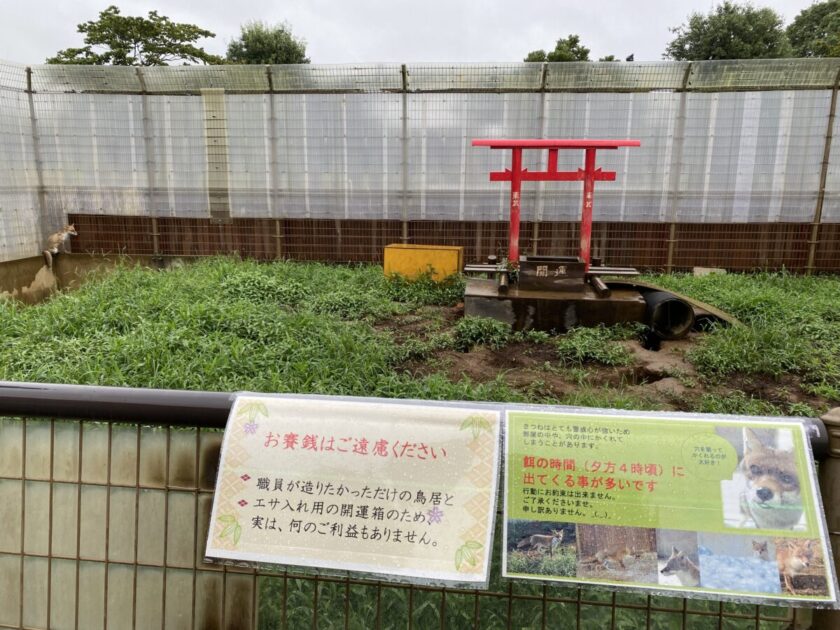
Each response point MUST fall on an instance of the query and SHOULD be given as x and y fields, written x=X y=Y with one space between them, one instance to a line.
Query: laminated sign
x=385 y=488
x=702 y=506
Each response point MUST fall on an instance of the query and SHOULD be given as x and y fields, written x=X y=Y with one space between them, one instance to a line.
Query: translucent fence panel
x=722 y=142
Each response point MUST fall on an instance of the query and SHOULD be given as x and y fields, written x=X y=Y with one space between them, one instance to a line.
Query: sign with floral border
x=389 y=488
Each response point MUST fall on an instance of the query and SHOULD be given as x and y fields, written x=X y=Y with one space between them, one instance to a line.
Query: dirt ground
x=665 y=379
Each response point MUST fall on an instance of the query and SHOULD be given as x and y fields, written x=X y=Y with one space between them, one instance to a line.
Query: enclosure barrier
x=105 y=507
x=738 y=166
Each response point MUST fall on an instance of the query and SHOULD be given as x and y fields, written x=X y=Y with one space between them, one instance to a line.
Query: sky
x=384 y=31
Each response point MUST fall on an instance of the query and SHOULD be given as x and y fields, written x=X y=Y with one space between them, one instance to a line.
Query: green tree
x=121 y=40
x=815 y=32
x=608 y=58
x=730 y=31
x=263 y=43
x=569 y=49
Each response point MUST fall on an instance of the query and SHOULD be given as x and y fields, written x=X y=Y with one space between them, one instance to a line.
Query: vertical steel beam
x=404 y=160
x=829 y=135
x=41 y=191
x=149 y=150
x=676 y=167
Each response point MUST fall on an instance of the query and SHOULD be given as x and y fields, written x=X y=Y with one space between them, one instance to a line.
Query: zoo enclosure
x=738 y=165
x=105 y=523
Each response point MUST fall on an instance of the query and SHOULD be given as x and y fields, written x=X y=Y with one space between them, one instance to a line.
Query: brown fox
x=760 y=550
x=772 y=499
x=58 y=240
x=539 y=541
x=610 y=557
x=793 y=558
x=681 y=565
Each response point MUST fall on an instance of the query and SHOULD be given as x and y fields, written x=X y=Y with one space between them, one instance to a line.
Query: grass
x=226 y=325
x=792 y=327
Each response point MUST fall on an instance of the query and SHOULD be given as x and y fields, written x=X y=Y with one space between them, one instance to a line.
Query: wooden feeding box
x=412 y=261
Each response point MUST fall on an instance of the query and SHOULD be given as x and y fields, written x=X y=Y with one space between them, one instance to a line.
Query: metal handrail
x=178 y=407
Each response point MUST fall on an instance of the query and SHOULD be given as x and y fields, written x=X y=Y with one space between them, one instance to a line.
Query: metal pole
x=515 y=198
x=829 y=477
x=676 y=166
x=829 y=134
x=36 y=154
x=586 y=215
x=122 y=404
x=404 y=165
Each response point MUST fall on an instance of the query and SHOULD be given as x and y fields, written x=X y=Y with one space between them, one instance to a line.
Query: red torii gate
x=588 y=175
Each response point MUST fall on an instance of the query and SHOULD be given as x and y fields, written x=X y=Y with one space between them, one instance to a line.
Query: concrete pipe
x=667 y=315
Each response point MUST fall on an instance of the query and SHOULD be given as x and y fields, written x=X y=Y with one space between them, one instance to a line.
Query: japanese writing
x=398 y=449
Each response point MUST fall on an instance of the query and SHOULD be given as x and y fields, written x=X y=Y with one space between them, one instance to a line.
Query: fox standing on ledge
x=56 y=241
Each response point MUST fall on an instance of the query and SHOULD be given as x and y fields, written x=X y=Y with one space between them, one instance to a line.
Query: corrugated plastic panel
x=20 y=235
x=12 y=76
x=752 y=156
x=586 y=75
x=178 y=143
x=772 y=74
x=831 y=203
x=448 y=178
x=454 y=77
x=640 y=190
x=60 y=78
x=192 y=79
x=355 y=78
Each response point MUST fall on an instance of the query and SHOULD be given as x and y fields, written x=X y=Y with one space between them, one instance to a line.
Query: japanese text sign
x=387 y=488
x=704 y=506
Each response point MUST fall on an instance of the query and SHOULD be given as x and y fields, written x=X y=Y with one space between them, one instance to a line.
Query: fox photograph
x=738 y=563
x=540 y=548
x=677 y=558
x=624 y=554
x=765 y=489
x=801 y=566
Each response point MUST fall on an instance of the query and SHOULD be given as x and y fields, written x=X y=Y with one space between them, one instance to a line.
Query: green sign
x=709 y=506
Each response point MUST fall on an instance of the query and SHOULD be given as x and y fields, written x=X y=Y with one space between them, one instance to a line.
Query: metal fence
x=104 y=525
x=723 y=143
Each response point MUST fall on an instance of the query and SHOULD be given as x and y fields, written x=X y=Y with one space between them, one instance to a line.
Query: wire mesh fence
x=104 y=526
x=729 y=142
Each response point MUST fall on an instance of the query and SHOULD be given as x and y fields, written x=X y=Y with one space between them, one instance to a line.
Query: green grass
x=226 y=325
x=792 y=327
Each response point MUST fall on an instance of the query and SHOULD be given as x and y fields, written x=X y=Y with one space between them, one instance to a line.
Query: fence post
x=36 y=154
x=676 y=166
x=542 y=121
x=829 y=477
x=149 y=148
x=273 y=193
x=404 y=73
x=815 y=224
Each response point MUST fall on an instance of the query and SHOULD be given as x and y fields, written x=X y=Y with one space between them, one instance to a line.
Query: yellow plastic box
x=415 y=260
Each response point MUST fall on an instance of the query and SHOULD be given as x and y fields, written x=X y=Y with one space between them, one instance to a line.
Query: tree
x=263 y=43
x=730 y=31
x=608 y=58
x=137 y=41
x=815 y=32
x=569 y=49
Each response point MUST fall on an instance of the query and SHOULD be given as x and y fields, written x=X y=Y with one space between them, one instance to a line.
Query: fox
x=610 y=557
x=760 y=550
x=681 y=565
x=539 y=541
x=793 y=558
x=772 y=498
x=56 y=241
